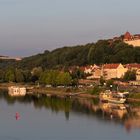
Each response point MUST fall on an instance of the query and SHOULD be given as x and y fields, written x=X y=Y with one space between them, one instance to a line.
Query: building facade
x=110 y=71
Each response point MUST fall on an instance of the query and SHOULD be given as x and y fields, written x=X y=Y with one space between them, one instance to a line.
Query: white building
x=16 y=91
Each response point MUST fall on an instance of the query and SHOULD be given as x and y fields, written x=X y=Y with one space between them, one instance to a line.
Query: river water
x=45 y=118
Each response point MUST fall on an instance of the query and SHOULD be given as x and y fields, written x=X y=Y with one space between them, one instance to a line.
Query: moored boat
x=112 y=97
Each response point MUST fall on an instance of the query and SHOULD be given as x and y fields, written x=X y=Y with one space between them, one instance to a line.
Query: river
x=45 y=118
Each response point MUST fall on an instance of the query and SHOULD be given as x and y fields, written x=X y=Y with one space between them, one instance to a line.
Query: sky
x=28 y=27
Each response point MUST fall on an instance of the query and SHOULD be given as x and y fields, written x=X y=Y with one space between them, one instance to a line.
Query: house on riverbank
x=110 y=71
x=138 y=75
x=16 y=91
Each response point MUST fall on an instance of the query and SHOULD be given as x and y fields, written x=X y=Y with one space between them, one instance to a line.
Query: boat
x=112 y=97
x=16 y=91
x=104 y=96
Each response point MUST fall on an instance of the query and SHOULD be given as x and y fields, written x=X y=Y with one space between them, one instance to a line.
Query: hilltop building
x=132 y=39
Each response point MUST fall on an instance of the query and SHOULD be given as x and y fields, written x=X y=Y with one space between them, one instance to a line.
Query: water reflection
x=125 y=115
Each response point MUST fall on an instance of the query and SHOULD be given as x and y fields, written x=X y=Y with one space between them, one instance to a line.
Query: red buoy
x=17 y=116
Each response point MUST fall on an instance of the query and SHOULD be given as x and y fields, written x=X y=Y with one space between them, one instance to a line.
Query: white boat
x=104 y=96
x=112 y=97
x=118 y=100
x=16 y=91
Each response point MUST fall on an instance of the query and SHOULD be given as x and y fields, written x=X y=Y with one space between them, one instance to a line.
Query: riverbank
x=50 y=91
x=59 y=91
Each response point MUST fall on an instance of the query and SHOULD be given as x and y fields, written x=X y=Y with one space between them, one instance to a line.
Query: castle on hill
x=132 y=39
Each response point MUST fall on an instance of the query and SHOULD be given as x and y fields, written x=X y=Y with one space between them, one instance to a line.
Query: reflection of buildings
x=115 y=110
x=134 y=121
x=136 y=111
x=107 y=109
x=89 y=104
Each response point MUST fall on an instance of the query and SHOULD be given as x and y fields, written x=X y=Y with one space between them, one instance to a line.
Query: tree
x=1 y=75
x=102 y=81
x=27 y=75
x=130 y=75
x=91 y=54
x=10 y=75
x=96 y=90
x=49 y=77
x=36 y=73
x=64 y=79
x=19 y=77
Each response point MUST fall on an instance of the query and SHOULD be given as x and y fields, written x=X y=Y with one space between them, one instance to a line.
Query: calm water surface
x=45 y=118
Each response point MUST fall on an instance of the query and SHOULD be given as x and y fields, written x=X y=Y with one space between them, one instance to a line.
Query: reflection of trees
x=81 y=106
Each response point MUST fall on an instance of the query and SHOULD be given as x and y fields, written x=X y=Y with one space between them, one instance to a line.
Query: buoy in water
x=17 y=116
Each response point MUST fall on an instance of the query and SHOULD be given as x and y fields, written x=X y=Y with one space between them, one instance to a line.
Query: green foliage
x=5 y=64
x=109 y=83
x=130 y=75
x=98 y=53
x=96 y=90
x=27 y=75
x=93 y=53
x=15 y=75
x=75 y=82
x=65 y=56
x=19 y=76
x=10 y=75
x=36 y=73
x=1 y=75
x=55 y=78
x=77 y=73
x=64 y=78
x=102 y=81
x=134 y=95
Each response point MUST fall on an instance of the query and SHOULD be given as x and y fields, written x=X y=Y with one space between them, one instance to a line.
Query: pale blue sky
x=31 y=26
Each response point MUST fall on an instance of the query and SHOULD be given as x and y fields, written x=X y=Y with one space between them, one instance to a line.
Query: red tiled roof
x=127 y=36
x=111 y=66
x=133 y=65
x=88 y=67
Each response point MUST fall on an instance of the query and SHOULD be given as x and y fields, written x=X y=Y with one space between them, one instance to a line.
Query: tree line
x=93 y=53
x=41 y=76
x=47 y=67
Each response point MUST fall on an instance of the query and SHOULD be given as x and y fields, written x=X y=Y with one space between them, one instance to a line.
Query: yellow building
x=110 y=71
x=138 y=75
